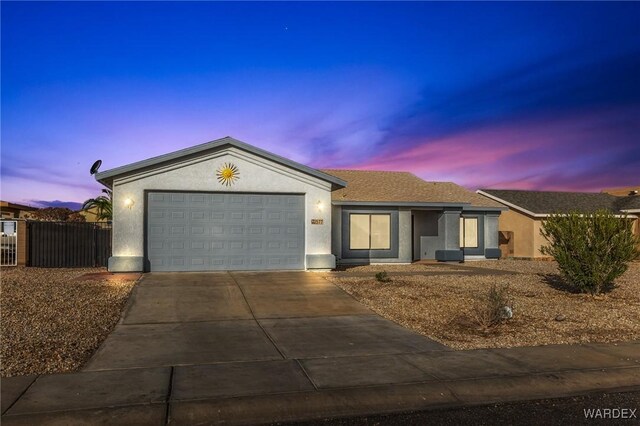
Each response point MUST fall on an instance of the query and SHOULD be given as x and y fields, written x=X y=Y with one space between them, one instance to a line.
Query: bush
x=492 y=307
x=383 y=277
x=592 y=250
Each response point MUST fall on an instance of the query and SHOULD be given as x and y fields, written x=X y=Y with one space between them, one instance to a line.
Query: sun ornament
x=227 y=174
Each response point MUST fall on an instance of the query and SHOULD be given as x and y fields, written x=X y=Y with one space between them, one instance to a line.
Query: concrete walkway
x=247 y=348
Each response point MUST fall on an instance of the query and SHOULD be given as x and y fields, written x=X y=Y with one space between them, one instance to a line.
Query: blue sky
x=503 y=95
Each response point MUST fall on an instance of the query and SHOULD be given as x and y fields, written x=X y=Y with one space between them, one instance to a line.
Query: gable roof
x=106 y=177
x=543 y=203
x=402 y=187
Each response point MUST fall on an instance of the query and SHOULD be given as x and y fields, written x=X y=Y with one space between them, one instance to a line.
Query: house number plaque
x=317 y=221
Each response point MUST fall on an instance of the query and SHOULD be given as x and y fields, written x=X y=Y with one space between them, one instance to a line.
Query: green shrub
x=592 y=250
x=383 y=277
x=492 y=308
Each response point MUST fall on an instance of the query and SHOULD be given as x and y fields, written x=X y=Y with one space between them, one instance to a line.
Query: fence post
x=23 y=243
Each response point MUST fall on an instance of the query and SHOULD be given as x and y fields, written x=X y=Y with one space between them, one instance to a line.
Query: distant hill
x=57 y=203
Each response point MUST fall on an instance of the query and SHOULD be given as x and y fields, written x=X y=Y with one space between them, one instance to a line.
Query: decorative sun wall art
x=227 y=174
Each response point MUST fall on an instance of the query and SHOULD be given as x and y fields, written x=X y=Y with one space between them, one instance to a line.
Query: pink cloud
x=555 y=153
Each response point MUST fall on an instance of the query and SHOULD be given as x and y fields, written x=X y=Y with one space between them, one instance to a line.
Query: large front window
x=370 y=231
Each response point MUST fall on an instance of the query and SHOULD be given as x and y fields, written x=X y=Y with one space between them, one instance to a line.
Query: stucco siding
x=522 y=227
x=538 y=239
x=405 y=238
x=199 y=174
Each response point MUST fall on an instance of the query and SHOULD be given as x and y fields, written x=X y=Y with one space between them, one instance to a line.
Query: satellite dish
x=95 y=167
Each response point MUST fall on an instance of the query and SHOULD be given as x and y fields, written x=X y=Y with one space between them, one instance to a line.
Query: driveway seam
x=167 y=414
x=187 y=322
x=307 y=374
x=254 y=316
x=21 y=395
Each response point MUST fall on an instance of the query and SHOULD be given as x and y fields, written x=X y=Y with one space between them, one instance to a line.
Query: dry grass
x=52 y=321
x=439 y=307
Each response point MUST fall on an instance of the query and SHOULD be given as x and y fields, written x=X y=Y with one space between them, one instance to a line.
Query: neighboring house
x=625 y=191
x=91 y=215
x=527 y=209
x=14 y=211
x=226 y=205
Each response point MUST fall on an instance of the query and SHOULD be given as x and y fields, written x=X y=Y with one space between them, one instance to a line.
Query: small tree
x=102 y=204
x=592 y=250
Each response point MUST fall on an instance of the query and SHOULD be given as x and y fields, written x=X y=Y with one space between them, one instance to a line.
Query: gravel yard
x=52 y=319
x=439 y=306
x=390 y=267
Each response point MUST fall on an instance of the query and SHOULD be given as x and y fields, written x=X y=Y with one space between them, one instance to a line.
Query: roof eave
x=510 y=205
x=439 y=205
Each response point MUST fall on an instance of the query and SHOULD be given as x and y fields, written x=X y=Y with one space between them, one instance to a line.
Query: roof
x=106 y=177
x=402 y=187
x=10 y=205
x=623 y=191
x=629 y=203
x=549 y=202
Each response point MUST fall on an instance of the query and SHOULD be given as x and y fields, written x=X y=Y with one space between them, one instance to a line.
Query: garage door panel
x=201 y=231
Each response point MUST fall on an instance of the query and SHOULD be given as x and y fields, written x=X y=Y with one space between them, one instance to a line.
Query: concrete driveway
x=203 y=318
x=255 y=348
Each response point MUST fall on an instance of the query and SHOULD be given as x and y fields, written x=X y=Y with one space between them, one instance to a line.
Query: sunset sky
x=494 y=95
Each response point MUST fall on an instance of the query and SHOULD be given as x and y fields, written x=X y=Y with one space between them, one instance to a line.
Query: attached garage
x=222 y=205
x=189 y=231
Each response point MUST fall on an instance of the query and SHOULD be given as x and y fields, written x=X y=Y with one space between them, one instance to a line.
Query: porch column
x=449 y=227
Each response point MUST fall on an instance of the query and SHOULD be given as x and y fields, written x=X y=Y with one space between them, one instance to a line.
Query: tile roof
x=402 y=187
x=547 y=202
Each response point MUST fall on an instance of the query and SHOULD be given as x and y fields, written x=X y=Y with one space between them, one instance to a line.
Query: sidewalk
x=315 y=388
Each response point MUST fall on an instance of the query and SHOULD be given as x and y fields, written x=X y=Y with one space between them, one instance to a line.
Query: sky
x=539 y=96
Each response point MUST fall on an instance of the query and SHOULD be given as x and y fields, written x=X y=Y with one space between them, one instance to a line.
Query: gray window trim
x=480 y=249
x=464 y=218
x=347 y=253
x=370 y=215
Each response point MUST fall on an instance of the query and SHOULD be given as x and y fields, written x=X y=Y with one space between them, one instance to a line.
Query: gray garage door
x=213 y=231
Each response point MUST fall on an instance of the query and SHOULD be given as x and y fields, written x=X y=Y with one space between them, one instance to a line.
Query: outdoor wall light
x=320 y=205
x=128 y=202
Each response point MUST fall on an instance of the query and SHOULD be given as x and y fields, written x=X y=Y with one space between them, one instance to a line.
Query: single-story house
x=227 y=205
x=521 y=224
x=91 y=215
x=10 y=210
x=624 y=191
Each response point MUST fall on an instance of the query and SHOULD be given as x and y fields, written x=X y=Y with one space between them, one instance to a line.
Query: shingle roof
x=631 y=202
x=402 y=187
x=547 y=202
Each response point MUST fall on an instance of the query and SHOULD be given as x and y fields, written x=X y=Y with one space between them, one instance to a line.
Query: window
x=370 y=232
x=469 y=232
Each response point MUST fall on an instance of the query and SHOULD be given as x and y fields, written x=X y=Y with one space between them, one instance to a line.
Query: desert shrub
x=382 y=277
x=592 y=250
x=492 y=308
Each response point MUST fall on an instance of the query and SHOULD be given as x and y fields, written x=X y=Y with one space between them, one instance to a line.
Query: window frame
x=390 y=236
x=463 y=229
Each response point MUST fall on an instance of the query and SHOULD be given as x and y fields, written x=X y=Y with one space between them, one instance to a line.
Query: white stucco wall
x=256 y=174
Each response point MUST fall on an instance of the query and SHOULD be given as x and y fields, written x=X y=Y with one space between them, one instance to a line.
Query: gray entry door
x=224 y=231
